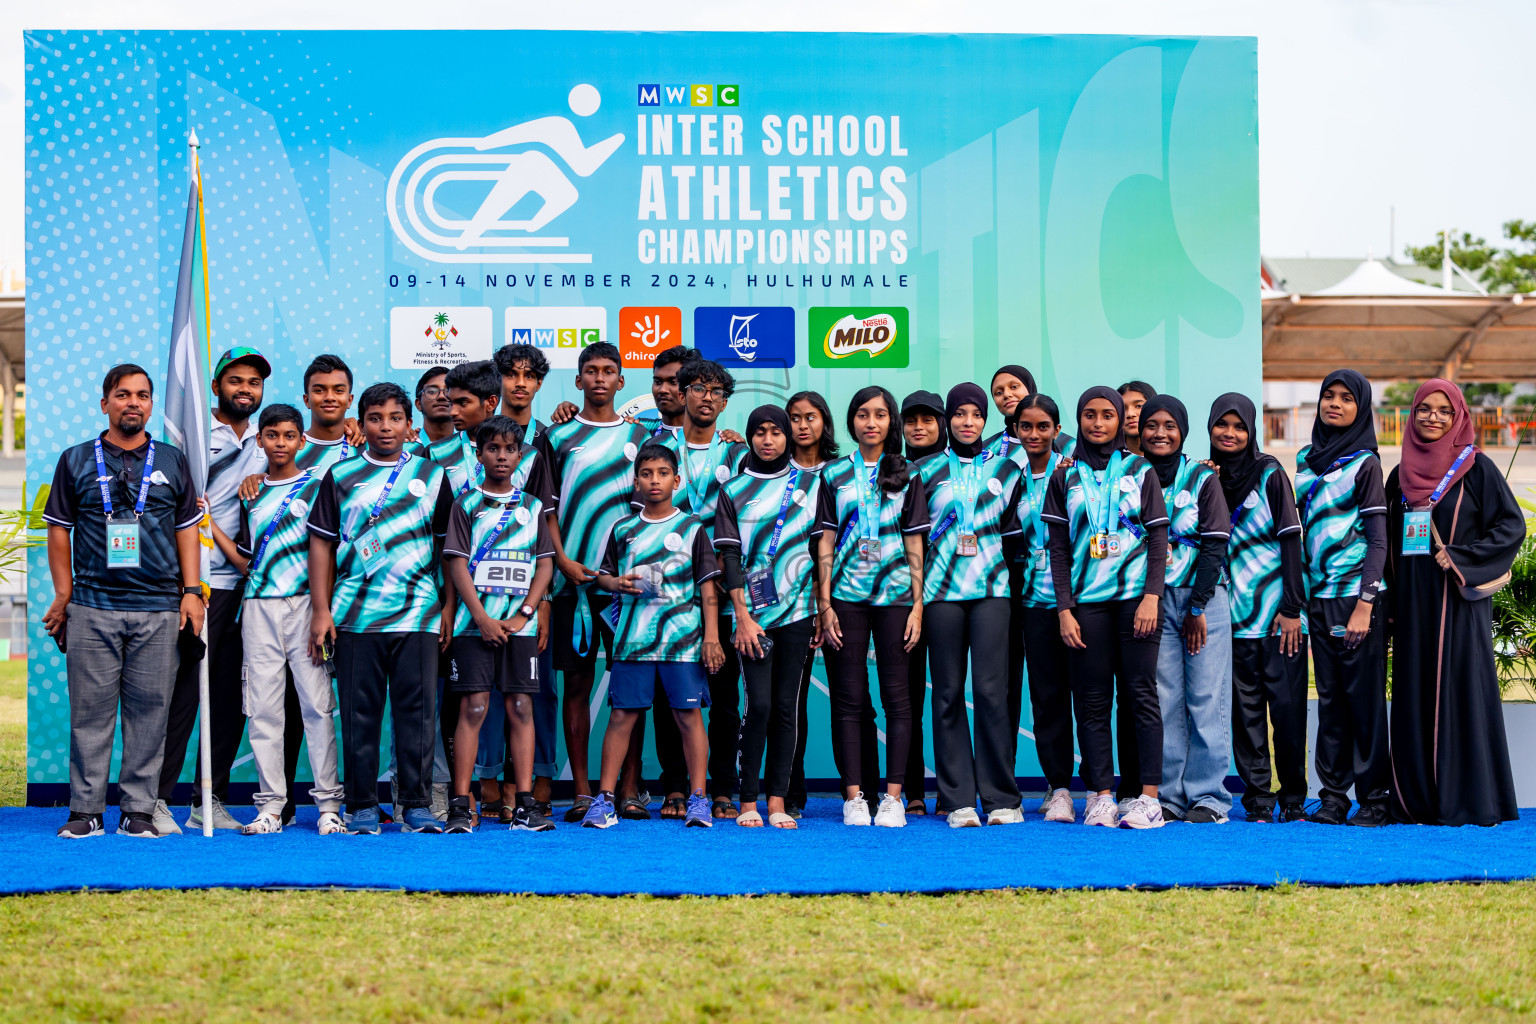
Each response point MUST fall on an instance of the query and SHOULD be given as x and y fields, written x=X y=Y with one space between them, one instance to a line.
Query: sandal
x=750 y=819
x=916 y=807
x=489 y=809
x=504 y=814
x=778 y=819
x=578 y=809
x=674 y=807
x=723 y=808
x=632 y=808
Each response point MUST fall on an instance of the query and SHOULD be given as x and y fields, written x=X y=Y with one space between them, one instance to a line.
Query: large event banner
x=814 y=211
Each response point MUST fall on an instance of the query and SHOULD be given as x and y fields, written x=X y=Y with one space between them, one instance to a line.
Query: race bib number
x=504 y=572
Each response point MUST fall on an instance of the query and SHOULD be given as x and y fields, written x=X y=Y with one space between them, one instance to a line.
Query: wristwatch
x=528 y=611
x=1196 y=610
x=198 y=590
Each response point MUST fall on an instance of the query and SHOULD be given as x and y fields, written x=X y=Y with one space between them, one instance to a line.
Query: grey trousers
x=118 y=659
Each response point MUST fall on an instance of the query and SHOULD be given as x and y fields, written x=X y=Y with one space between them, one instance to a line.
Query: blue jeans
x=492 y=754
x=1195 y=693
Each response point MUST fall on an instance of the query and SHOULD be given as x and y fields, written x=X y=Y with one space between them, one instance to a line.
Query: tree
x=1506 y=269
x=1399 y=392
x=1485 y=392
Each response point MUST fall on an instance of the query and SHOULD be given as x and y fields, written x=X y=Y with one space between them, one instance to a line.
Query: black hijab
x=964 y=394
x=779 y=418
x=1329 y=444
x=1096 y=456
x=1167 y=466
x=1240 y=471
x=1018 y=371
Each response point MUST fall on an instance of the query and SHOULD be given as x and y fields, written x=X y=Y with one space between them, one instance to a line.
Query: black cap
x=925 y=401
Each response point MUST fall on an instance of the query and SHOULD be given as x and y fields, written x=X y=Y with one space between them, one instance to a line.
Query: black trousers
x=403 y=666
x=1016 y=650
x=724 y=727
x=916 y=776
x=978 y=629
x=1351 y=706
x=1114 y=651
x=226 y=711
x=1050 y=693
x=1269 y=689
x=1127 y=750
x=848 y=674
x=773 y=686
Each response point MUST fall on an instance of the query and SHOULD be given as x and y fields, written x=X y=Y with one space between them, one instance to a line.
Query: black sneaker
x=1328 y=813
x=526 y=817
x=545 y=808
x=81 y=826
x=1370 y=817
x=460 y=818
x=1292 y=812
x=1265 y=815
x=140 y=826
x=1200 y=815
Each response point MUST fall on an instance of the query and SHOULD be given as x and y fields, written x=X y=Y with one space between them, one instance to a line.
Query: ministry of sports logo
x=515 y=168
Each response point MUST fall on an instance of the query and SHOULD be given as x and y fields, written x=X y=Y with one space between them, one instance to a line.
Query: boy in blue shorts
x=659 y=563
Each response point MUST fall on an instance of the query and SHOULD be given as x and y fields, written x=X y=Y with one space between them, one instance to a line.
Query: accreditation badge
x=968 y=545
x=1042 y=559
x=762 y=591
x=123 y=545
x=370 y=548
x=1416 y=531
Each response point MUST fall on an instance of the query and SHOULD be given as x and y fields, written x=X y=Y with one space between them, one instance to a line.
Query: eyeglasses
x=432 y=391
x=701 y=391
x=1424 y=412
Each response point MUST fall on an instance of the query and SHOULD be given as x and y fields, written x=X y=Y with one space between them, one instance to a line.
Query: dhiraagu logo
x=858 y=338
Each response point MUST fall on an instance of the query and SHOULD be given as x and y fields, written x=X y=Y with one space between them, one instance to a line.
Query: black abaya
x=1450 y=758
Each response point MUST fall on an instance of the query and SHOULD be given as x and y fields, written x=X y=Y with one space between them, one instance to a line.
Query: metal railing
x=1495 y=426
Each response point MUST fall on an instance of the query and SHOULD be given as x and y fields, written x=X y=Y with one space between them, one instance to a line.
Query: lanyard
x=1004 y=442
x=660 y=426
x=1445 y=481
x=472 y=478
x=778 y=526
x=1306 y=503
x=277 y=518
x=378 y=506
x=501 y=524
x=105 y=480
x=964 y=489
x=698 y=496
x=869 y=498
x=1034 y=498
x=1099 y=501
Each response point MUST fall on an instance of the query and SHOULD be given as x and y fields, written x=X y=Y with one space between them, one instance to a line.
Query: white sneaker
x=1057 y=806
x=164 y=821
x=265 y=824
x=331 y=824
x=221 y=817
x=856 y=811
x=1006 y=816
x=965 y=817
x=1125 y=805
x=439 y=801
x=892 y=812
x=1102 y=811
x=1145 y=812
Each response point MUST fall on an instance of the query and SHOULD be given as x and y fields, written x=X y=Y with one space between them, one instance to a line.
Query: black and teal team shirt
x=591 y=470
x=1332 y=508
x=994 y=483
x=745 y=519
x=676 y=557
x=319 y=456
x=459 y=458
x=1253 y=554
x=283 y=569
x=512 y=527
x=1196 y=509
x=703 y=469
x=1132 y=505
x=840 y=511
x=402 y=594
x=1004 y=444
x=1034 y=541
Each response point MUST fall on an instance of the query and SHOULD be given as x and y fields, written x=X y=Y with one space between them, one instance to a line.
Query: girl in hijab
x=872 y=516
x=972 y=503
x=1265 y=599
x=1344 y=528
x=1109 y=551
x=1194 y=656
x=764 y=523
x=1452 y=525
x=1010 y=384
x=922 y=430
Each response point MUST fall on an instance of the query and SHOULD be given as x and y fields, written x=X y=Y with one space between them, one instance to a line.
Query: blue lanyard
x=868 y=513
x=1099 y=501
x=1306 y=503
x=501 y=524
x=472 y=478
x=778 y=526
x=1034 y=499
x=698 y=497
x=1002 y=449
x=104 y=480
x=661 y=425
x=1445 y=481
x=277 y=518
x=378 y=506
x=964 y=489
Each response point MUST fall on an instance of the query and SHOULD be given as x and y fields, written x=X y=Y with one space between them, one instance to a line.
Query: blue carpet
x=664 y=858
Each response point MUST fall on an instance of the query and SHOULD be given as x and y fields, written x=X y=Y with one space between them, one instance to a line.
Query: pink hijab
x=1424 y=463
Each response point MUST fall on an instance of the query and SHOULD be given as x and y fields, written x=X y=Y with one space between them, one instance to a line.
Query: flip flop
x=723 y=808
x=750 y=819
x=674 y=807
x=778 y=819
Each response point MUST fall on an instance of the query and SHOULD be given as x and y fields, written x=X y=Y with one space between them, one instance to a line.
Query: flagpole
x=205 y=537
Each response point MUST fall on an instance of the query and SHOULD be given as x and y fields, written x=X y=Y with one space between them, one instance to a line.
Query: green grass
x=1429 y=952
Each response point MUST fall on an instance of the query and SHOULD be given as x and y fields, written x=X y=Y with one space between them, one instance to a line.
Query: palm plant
x=1514 y=610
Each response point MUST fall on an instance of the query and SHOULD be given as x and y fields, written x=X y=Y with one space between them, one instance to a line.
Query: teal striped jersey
x=703 y=468
x=1196 y=509
x=887 y=579
x=474 y=518
x=1256 y=584
x=1034 y=540
x=1333 y=532
x=1136 y=505
x=459 y=458
x=284 y=567
x=744 y=520
x=1005 y=445
x=677 y=559
x=319 y=456
x=592 y=473
x=402 y=595
x=947 y=574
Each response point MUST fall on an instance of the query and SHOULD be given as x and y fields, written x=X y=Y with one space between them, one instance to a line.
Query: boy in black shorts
x=498 y=560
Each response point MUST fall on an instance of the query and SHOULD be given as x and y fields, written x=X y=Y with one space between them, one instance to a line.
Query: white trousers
x=276 y=635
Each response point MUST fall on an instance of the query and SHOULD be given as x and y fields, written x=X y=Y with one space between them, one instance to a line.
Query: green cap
x=243 y=354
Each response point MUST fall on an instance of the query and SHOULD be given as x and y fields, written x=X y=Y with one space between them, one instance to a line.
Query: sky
x=1364 y=105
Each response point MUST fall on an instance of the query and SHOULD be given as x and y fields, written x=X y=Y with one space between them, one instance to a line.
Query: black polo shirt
x=74 y=502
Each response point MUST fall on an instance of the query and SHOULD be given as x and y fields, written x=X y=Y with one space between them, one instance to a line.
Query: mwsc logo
x=558 y=332
x=689 y=95
x=858 y=338
x=515 y=171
